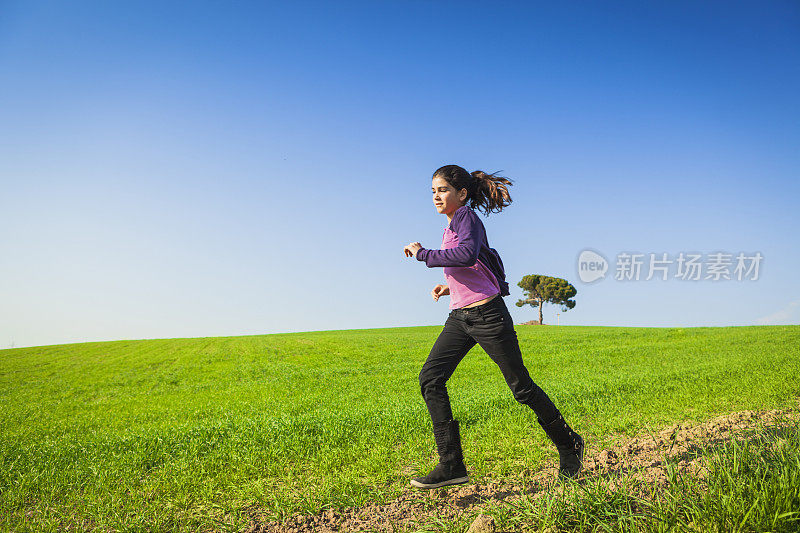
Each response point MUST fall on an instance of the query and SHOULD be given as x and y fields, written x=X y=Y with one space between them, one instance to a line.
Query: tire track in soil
x=641 y=458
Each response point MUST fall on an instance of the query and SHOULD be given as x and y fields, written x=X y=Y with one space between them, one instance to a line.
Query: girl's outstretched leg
x=448 y=350
x=495 y=334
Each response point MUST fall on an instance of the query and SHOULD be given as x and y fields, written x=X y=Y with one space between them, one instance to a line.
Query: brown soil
x=641 y=458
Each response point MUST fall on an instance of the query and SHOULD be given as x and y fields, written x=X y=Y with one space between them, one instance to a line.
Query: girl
x=476 y=285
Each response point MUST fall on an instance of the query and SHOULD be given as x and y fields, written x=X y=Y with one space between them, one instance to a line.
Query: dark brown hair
x=487 y=192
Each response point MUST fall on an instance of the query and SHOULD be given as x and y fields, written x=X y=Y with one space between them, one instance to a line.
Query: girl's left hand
x=411 y=249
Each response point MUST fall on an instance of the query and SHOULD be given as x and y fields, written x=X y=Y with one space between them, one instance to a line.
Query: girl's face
x=445 y=197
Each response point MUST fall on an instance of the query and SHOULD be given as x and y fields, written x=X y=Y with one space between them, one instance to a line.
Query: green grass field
x=187 y=434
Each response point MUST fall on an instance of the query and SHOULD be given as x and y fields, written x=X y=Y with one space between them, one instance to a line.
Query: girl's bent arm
x=468 y=228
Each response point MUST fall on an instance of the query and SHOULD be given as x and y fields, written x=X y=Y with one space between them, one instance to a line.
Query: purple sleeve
x=467 y=227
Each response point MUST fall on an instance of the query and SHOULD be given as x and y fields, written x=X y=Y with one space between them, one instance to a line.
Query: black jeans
x=489 y=325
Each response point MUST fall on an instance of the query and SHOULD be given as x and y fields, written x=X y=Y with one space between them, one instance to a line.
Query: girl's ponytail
x=487 y=192
x=491 y=191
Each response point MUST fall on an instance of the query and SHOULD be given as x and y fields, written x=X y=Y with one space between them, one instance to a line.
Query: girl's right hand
x=440 y=290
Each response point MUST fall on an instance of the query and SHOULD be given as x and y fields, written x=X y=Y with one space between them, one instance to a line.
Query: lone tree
x=545 y=289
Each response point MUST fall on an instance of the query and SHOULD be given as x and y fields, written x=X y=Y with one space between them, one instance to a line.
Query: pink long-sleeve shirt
x=473 y=270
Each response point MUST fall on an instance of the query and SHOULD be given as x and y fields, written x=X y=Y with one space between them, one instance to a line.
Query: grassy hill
x=199 y=433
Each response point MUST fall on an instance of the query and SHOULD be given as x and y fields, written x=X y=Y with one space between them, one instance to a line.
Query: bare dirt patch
x=641 y=458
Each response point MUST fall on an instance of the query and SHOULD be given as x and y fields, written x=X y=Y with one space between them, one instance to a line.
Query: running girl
x=478 y=315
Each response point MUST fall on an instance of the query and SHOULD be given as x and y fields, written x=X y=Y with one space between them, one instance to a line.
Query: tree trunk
x=541 y=303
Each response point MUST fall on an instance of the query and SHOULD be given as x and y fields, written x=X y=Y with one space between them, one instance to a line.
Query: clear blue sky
x=217 y=168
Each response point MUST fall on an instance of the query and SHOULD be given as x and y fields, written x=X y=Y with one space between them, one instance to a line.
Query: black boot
x=569 y=445
x=451 y=469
